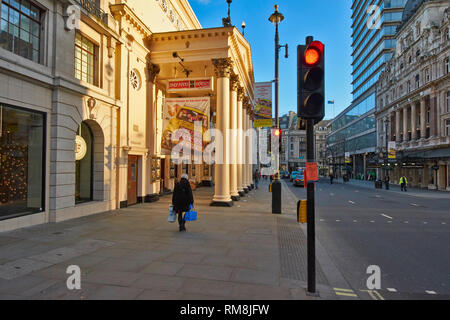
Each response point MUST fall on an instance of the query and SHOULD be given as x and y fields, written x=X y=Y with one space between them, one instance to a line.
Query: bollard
x=302 y=211
x=276 y=197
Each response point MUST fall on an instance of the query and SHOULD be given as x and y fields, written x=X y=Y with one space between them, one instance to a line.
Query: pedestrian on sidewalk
x=403 y=183
x=256 y=177
x=331 y=178
x=182 y=199
x=387 y=179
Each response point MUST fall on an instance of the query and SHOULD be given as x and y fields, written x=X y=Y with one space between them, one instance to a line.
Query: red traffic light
x=277 y=132
x=314 y=53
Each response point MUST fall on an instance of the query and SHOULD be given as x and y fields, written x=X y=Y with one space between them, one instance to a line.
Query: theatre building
x=85 y=88
x=413 y=99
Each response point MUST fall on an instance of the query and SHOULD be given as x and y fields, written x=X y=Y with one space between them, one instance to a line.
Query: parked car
x=293 y=174
x=299 y=180
x=284 y=174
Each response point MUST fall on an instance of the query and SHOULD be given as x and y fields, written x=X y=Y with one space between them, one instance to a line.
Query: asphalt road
x=407 y=237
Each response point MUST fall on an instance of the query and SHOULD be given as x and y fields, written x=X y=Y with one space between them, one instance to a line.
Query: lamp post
x=243 y=28
x=227 y=21
x=276 y=18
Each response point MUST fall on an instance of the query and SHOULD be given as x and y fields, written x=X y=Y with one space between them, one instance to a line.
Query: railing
x=92 y=7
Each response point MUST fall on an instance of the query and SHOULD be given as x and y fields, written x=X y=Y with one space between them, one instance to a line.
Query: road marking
x=389 y=221
x=338 y=220
x=345 y=292
x=321 y=220
x=386 y=216
x=391 y=290
x=351 y=202
x=414 y=205
x=406 y=222
x=372 y=221
x=431 y=292
x=443 y=223
x=372 y=295
x=355 y=221
x=425 y=223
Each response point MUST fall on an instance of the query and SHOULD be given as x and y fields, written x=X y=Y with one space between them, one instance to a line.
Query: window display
x=21 y=162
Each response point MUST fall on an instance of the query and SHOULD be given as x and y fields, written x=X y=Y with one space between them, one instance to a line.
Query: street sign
x=312 y=172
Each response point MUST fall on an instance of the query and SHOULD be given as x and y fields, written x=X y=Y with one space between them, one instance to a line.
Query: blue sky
x=327 y=20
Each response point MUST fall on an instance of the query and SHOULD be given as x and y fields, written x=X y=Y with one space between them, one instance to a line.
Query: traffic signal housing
x=311 y=81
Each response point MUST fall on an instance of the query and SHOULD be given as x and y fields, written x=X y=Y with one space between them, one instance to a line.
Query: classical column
x=250 y=150
x=234 y=83
x=239 y=142
x=433 y=116
x=413 y=122
x=222 y=197
x=423 y=121
x=397 y=126
x=246 y=145
x=405 y=124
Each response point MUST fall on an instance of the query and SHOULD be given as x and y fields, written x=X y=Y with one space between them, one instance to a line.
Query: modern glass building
x=353 y=131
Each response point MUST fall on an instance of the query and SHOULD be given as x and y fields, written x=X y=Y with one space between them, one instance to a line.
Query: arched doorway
x=89 y=163
x=84 y=164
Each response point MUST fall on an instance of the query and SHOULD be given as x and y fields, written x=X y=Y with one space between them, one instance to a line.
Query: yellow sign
x=302 y=211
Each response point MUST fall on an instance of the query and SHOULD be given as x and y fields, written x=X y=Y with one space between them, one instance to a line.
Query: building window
x=448 y=101
x=20 y=28
x=447 y=66
x=22 y=141
x=409 y=86
x=427 y=75
x=417 y=81
x=135 y=79
x=84 y=164
x=85 y=59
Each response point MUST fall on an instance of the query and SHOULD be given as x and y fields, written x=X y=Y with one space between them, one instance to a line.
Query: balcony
x=92 y=7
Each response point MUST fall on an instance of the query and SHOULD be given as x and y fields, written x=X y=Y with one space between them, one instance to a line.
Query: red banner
x=190 y=84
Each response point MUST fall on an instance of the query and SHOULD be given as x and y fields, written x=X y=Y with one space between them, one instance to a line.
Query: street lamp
x=276 y=18
x=227 y=21
x=243 y=28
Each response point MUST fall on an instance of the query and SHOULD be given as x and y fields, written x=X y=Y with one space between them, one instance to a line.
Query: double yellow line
x=345 y=292
x=375 y=295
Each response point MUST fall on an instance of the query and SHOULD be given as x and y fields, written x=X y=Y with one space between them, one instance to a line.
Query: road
x=408 y=237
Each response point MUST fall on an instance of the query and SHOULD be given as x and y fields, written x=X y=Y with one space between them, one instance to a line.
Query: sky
x=326 y=20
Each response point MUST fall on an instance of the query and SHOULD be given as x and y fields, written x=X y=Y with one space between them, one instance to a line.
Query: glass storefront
x=22 y=146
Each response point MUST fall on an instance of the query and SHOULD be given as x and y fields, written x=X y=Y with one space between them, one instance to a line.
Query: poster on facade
x=347 y=158
x=263 y=109
x=184 y=113
x=392 y=152
x=177 y=85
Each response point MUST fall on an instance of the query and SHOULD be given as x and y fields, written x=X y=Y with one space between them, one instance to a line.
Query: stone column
x=413 y=122
x=423 y=121
x=246 y=157
x=397 y=126
x=250 y=149
x=222 y=197
x=239 y=142
x=405 y=124
x=433 y=116
x=234 y=83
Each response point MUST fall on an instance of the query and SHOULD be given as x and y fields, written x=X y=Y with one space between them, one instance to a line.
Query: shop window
x=86 y=60
x=22 y=146
x=20 y=28
x=84 y=164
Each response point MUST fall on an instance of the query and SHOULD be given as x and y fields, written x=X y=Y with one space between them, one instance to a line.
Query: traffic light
x=278 y=134
x=311 y=81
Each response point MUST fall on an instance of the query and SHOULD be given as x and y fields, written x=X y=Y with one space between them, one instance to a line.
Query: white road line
x=355 y=221
x=431 y=292
x=391 y=290
x=414 y=205
x=443 y=223
x=386 y=216
x=338 y=220
x=351 y=202
x=406 y=221
x=372 y=221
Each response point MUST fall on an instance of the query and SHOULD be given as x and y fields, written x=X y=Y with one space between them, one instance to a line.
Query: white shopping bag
x=172 y=215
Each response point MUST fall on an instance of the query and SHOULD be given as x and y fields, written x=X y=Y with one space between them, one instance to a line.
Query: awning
x=430 y=154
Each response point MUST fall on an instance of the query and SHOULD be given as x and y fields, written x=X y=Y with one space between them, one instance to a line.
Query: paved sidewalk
x=243 y=252
x=415 y=192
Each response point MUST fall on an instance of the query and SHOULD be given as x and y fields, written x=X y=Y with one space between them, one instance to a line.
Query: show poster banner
x=183 y=113
x=263 y=109
x=392 y=151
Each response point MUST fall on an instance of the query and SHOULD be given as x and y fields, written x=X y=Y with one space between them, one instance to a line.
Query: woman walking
x=182 y=199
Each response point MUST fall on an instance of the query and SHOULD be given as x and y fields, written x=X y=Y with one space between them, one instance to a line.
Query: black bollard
x=276 y=197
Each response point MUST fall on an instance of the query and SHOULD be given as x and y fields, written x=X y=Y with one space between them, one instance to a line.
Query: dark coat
x=182 y=196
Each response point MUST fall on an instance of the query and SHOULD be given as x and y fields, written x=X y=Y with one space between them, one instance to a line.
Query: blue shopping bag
x=172 y=215
x=191 y=215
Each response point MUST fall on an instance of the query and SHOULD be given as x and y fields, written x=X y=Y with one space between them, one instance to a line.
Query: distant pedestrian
x=331 y=178
x=182 y=199
x=256 y=177
x=403 y=183
x=387 y=179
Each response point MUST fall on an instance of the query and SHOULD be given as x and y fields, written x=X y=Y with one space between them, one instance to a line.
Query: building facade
x=353 y=131
x=413 y=99
x=82 y=91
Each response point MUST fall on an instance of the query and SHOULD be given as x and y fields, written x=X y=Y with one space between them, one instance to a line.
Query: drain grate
x=293 y=253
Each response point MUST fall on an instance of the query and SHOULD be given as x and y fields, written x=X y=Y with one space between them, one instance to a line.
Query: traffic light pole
x=311 y=226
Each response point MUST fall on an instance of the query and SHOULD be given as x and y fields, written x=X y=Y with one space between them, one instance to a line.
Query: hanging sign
x=392 y=152
x=312 y=172
x=263 y=109
x=80 y=148
x=190 y=84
